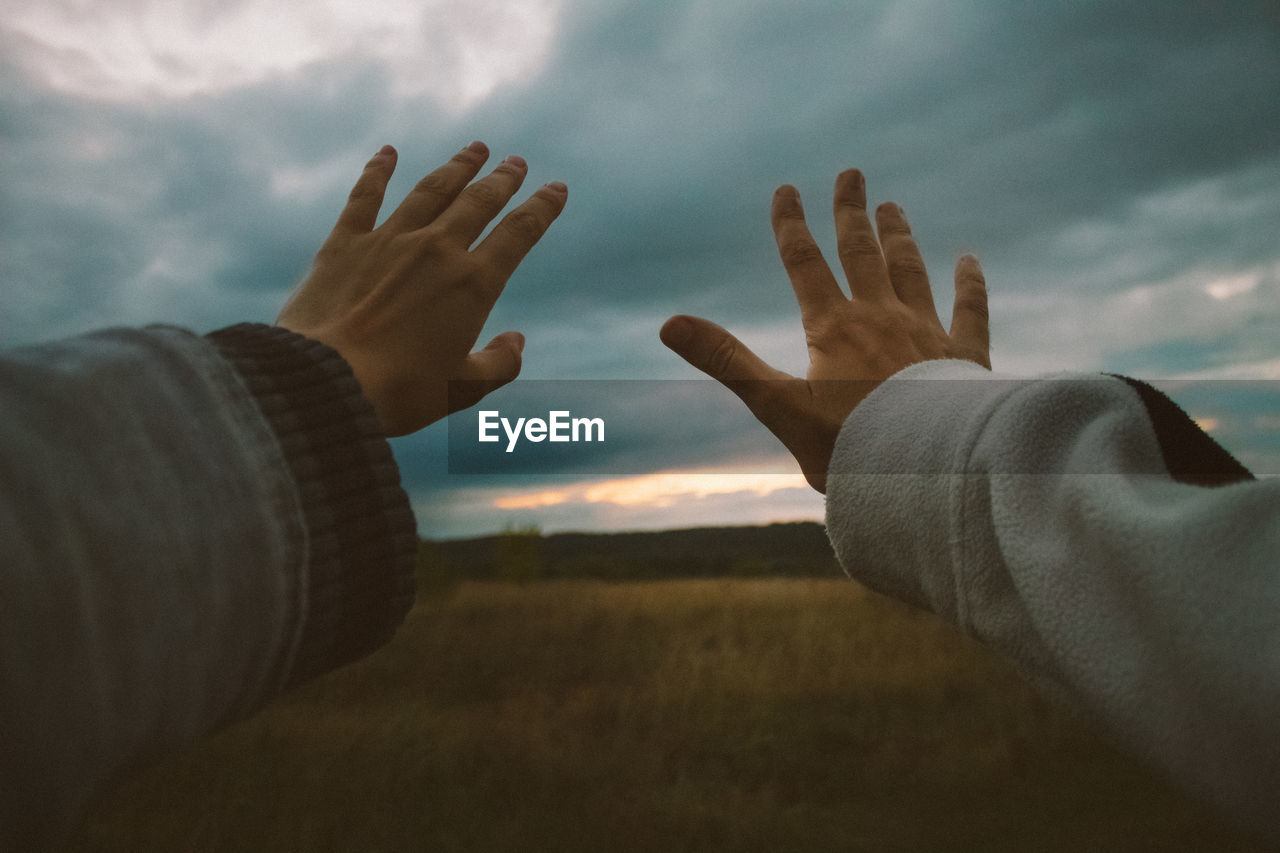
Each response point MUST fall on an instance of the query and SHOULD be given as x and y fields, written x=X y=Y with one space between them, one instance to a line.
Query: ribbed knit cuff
x=362 y=537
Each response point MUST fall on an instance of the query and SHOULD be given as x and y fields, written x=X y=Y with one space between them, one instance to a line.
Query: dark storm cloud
x=96 y=192
x=1079 y=149
x=1011 y=117
x=996 y=125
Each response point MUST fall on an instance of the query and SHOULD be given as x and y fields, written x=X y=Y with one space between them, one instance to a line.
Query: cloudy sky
x=1115 y=166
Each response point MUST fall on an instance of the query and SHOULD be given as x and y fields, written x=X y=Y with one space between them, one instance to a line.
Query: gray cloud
x=1001 y=129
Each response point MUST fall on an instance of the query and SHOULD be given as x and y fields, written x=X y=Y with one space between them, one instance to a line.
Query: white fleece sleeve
x=1041 y=517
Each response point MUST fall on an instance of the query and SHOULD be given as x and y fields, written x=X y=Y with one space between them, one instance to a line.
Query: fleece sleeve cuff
x=908 y=495
x=361 y=534
x=889 y=515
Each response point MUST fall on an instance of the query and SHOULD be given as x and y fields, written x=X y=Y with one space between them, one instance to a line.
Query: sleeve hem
x=361 y=536
x=883 y=480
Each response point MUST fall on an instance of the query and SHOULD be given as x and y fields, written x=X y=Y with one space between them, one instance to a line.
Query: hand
x=854 y=344
x=403 y=303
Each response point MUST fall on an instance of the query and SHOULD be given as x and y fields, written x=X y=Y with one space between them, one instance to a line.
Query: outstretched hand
x=854 y=343
x=404 y=302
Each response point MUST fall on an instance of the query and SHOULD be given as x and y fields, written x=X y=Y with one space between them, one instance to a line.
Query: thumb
x=487 y=370
x=779 y=400
x=713 y=350
x=720 y=355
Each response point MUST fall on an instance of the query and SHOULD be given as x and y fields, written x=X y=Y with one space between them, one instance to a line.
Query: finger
x=772 y=396
x=436 y=191
x=970 y=320
x=487 y=370
x=859 y=251
x=713 y=350
x=365 y=200
x=816 y=288
x=513 y=237
x=902 y=258
x=720 y=355
x=475 y=206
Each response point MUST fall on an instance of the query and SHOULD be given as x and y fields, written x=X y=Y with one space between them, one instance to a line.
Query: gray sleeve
x=175 y=548
x=1044 y=518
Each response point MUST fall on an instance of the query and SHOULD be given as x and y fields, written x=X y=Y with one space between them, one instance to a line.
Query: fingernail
x=788 y=191
x=478 y=147
x=676 y=332
x=518 y=162
x=556 y=187
x=385 y=151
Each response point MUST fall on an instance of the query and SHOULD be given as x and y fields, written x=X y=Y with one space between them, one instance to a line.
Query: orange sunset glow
x=659 y=489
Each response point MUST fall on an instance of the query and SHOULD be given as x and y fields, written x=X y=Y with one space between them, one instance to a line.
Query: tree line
x=794 y=549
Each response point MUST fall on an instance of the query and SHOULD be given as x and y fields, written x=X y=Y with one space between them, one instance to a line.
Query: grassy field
x=779 y=715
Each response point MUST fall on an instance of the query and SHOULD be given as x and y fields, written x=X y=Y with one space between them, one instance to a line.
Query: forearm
x=182 y=539
x=1042 y=518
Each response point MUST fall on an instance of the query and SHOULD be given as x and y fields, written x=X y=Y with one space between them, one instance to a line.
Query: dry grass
x=694 y=715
